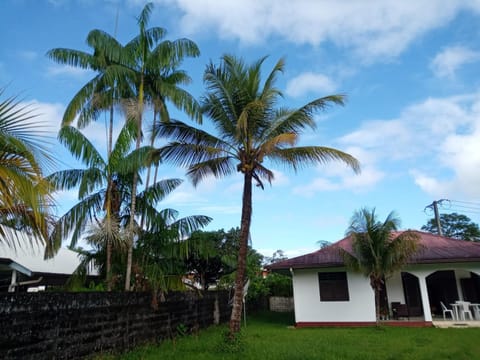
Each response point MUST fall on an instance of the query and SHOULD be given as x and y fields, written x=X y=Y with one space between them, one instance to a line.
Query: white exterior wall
x=459 y=268
x=309 y=308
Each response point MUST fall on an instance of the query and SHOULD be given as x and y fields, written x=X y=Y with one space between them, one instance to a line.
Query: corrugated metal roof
x=30 y=256
x=433 y=249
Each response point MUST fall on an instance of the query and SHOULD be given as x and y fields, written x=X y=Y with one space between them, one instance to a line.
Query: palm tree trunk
x=236 y=316
x=109 y=264
x=147 y=181
x=376 y=290
x=132 y=225
x=109 y=200
x=131 y=234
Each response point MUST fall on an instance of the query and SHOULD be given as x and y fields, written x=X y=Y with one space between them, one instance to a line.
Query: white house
x=326 y=293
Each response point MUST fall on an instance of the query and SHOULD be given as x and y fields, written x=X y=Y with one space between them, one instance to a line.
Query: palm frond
x=66 y=179
x=75 y=58
x=262 y=172
x=158 y=191
x=135 y=161
x=80 y=147
x=185 y=226
x=124 y=142
x=299 y=157
x=75 y=220
x=107 y=49
x=186 y=155
x=218 y=167
x=92 y=179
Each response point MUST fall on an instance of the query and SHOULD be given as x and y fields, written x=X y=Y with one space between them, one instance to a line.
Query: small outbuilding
x=24 y=268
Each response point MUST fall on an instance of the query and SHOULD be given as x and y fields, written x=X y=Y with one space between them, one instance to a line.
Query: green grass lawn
x=268 y=336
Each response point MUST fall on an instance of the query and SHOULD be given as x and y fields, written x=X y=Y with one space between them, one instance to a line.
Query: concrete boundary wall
x=281 y=304
x=75 y=325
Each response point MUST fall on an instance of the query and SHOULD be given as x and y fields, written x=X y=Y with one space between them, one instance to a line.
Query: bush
x=273 y=285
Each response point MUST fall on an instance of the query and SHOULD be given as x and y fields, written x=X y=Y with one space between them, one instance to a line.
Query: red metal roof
x=433 y=249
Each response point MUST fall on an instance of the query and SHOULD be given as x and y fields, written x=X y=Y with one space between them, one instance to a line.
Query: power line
x=466 y=202
x=466 y=207
x=469 y=207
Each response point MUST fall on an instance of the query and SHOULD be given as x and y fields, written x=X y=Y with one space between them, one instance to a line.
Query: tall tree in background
x=251 y=130
x=146 y=58
x=144 y=71
x=162 y=249
x=378 y=252
x=455 y=226
x=103 y=186
x=102 y=93
x=212 y=255
x=25 y=198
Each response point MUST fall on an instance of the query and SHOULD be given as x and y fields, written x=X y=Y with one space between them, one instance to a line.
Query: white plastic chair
x=465 y=310
x=476 y=311
x=446 y=311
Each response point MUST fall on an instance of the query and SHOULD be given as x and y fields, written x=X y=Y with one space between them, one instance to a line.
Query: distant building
x=23 y=268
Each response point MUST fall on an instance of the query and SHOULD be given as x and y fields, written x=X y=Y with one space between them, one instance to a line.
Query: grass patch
x=270 y=336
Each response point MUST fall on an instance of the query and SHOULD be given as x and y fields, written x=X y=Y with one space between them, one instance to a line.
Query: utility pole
x=437 y=217
x=434 y=205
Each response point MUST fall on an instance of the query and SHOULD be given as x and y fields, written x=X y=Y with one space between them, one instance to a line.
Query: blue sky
x=410 y=71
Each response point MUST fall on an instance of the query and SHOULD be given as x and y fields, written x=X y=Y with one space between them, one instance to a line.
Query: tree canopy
x=457 y=226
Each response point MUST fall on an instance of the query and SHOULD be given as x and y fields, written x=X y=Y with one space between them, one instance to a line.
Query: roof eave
x=307 y=266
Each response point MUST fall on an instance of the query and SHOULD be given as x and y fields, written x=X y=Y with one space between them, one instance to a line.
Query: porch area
x=444 y=295
x=436 y=322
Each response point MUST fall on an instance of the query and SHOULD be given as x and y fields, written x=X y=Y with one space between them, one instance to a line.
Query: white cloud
x=435 y=141
x=49 y=116
x=338 y=176
x=280 y=179
x=317 y=185
x=446 y=63
x=60 y=70
x=310 y=82
x=461 y=154
x=184 y=195
x=200 y=198
x=96 y=133
x=430 y=184
x=418 y=130
x=371 y=27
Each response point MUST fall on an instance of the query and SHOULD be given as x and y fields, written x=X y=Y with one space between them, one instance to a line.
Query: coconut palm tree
x=252 y=130
x=25 y=198
x=377 y=251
